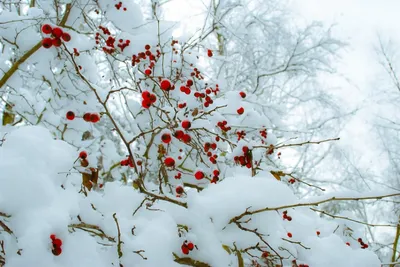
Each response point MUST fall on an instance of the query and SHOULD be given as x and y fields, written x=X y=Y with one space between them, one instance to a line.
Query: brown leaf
x=277 y=174
x=195 y=112
x=8 y=116
x=86 y=180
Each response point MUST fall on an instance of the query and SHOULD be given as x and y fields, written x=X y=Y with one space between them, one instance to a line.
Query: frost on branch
x=141 y=158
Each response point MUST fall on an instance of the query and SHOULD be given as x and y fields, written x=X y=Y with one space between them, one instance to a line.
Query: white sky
x=359 y=22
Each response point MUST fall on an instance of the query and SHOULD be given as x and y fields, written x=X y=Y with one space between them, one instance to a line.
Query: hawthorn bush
x=118 y=149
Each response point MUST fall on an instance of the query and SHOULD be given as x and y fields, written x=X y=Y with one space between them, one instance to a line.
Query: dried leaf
x=86 y=177
x=278 y=174
x=227 y=249
x=8 y=116
x=195 y=112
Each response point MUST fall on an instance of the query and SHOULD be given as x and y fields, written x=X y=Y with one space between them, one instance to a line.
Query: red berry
x=216 y=172
x=56 y=42
x=179 y=190
x=199 y=175
x=347 y=243
x=86 y=117
x=189 y=82
x=190 y=246
x=185 y=249
x=52 y=236
x=166 y=138
x=146 y=103
x=57 y=251
x=70 y=115
x=47 y=42
x=147 y=47
x=359 y=240
x=318 y=232
x=94 y=117
x=240 y=110
x=57 y=242
x=242 y=94
x=209 y=53
x=147 y=72
x=186 y=138
x=169 y=162
x=245 y=149
x=152 y=98
x=265 y=254
x=47 y=29
x=186 y=124
x=165 y=85
x=57 y=32
x=289 y=234
x=83 y=154
x=179 y=134
x=146 y=94
x=66 y=37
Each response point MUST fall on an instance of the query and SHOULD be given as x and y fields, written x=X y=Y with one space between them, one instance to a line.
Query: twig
x=316 y=203
x=119 y=245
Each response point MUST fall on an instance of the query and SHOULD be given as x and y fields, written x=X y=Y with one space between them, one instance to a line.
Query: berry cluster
x=362 y=244
x=119 y=5
x=83 y=156
x=148 y=99
x=245 y=159
x=223 y=127
x=286 y=217
x=127 y=162
x=187 y=247
x=182 y=136
x=215 y=178
x=110 y=41
x=240 y=134
x=136 y=59
x=57 y=34
x=88 y=117
x=178 y=176
x=57 y=243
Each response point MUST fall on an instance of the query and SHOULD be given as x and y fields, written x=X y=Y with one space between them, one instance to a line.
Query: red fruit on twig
x=57 y=32
x=169 y=162
x=57 y=251
x=86 y=117
x=46 y=29
x=66 y=37
x=186 y=124
x=70 y=115
x=240 y=110
x=185 y=249
x=94 y=117
x=47 y=43
x=165 y=85
x=56 y=42
x=190 y=246
x=199 y=175
x=83 y=155
x=166 y=138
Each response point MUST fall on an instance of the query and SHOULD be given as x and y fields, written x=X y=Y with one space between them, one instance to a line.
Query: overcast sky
x=358 y=22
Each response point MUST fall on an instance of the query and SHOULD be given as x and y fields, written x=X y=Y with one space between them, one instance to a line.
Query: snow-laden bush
x=141 y=158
